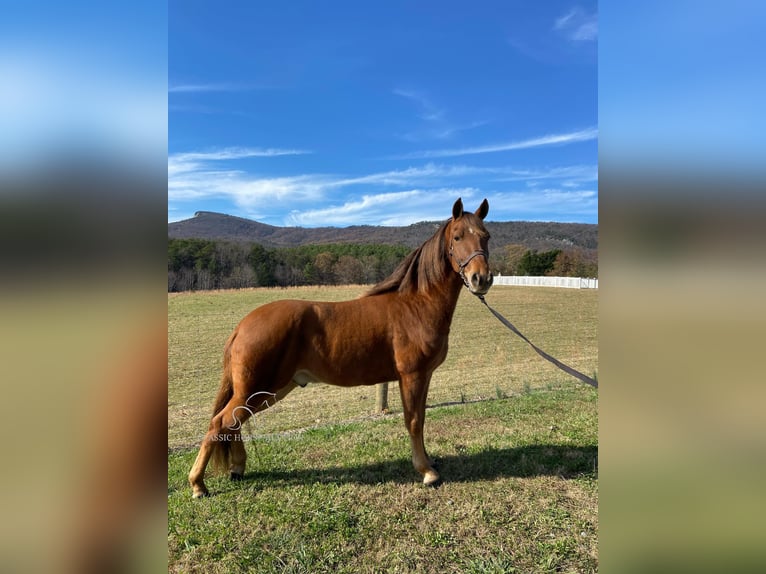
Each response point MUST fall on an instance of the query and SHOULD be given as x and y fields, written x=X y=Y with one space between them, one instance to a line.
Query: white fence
x=569 y=282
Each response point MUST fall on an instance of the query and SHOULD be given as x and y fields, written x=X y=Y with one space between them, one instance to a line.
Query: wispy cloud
x=547 y=140
x=571 y=175
x=546 y=204
x=435 y=123
x=391 y=208
x=414 y=205
x=441 y=131
x=428 y=110
x=578 y=25
x=393 y=197
x=439 y=174
x=244 y=189
x=191 y=176
x=198 y=175
x=234 y=153
x=430 y=172
x=212 y=87
x=185 y=162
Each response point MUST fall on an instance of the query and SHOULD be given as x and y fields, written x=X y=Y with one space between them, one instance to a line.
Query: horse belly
x=353 y=363
x=347 y=372
x=347 y=344
x=303 y=377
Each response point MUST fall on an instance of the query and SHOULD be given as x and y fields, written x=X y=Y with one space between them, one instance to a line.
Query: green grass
x=330 y=488
x=520 y=492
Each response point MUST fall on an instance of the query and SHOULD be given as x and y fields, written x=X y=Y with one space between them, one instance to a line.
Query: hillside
x=533 y=235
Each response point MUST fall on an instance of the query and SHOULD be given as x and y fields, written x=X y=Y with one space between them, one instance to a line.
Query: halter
x=462 y=264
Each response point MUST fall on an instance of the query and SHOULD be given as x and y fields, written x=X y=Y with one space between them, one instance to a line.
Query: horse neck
x=441 y=299
x=453 y=282
x=455 y=285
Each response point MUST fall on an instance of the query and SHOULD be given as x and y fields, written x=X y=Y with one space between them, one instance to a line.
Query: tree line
x=198 y=264
x=201 y=264
x=516 y=259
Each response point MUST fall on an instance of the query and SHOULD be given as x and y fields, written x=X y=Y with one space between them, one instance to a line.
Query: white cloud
x=184 y=88
x=394 y=208
x=195 y=175
x=545 y=204
x=429 y=172
x=573 y=173
x=552 y=139
x=577 y=25
x=233 y=153
x=191 y=177
x=243 y=188
x=560 y=195
x=212 y=87
x=352 y=212
x=187 y=162
x=394 y=197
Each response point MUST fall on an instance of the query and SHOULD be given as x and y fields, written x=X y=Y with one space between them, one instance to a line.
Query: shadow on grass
x=525 y=461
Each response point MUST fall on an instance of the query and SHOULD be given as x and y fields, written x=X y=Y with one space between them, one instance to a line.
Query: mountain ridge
x=532 y=234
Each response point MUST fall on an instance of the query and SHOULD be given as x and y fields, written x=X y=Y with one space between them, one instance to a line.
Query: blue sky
x=342 y=113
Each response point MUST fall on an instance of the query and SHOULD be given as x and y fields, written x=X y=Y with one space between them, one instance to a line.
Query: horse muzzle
x=478 y=280
x=479 y=283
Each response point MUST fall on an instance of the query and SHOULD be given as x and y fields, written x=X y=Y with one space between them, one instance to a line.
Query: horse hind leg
x=222 y=443
x=223 y=440
x=240 y=413
x=197 y=472
x=254 y=403
x=238 y=456
x=206 y=450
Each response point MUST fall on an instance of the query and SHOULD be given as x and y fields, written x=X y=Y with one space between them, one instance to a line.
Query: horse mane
x=420 y=270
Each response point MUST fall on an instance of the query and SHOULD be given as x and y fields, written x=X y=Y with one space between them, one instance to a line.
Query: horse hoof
x=432 y=479
x=200 y=494
x=236 y=476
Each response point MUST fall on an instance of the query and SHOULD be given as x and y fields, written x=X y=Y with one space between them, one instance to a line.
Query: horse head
x=468 y=241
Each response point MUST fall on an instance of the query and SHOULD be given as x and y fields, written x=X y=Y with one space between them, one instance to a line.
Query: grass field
x=330 y=486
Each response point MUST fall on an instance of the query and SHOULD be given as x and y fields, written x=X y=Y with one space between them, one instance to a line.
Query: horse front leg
x=414 y=390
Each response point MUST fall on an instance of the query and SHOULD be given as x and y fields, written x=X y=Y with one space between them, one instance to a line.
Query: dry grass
x=485 y=359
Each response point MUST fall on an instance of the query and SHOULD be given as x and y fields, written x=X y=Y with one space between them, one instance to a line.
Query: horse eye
x=457 y=238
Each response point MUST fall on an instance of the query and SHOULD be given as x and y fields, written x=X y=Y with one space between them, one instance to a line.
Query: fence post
x=381 y=401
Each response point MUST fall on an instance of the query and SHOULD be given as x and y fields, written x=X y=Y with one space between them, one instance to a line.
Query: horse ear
x=483 y=209
x=457 y=209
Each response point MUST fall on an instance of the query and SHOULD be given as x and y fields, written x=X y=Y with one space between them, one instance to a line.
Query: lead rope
x=566 y=368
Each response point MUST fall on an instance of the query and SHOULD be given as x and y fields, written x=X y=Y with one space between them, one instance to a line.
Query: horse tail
x=226 y=391
x=222 y=447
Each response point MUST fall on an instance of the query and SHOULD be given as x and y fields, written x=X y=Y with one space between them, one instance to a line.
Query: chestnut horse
x=398 y=330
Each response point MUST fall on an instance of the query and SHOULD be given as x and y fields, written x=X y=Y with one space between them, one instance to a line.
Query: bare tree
x=349 y=270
